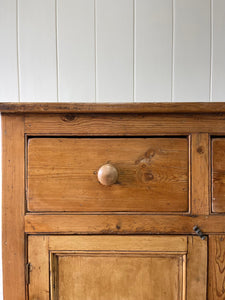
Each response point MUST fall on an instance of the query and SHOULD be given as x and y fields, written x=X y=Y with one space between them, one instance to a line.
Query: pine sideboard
x=113 y=201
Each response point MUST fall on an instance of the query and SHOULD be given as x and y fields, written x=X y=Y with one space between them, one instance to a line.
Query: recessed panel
x=118 y=276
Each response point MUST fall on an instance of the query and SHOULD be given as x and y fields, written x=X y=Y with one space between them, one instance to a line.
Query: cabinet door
x=117 y=267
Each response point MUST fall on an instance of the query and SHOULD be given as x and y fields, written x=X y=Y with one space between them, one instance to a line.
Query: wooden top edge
x=196 y=107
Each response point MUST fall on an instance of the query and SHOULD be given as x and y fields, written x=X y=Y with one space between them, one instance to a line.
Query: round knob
x=107 y=174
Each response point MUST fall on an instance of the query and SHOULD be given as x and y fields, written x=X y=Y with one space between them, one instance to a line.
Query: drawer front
x=218 y=175
x=62 y=174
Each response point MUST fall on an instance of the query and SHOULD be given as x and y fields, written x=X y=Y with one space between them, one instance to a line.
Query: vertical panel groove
x=17 y=49
x=56 y=49
x=134 y=50
x=211 y=50
x=95 y=41
x=172 y=59
x=218 y=50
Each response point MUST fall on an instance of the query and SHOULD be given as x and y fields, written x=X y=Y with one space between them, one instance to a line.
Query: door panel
x=119 y=276
x=117 y=267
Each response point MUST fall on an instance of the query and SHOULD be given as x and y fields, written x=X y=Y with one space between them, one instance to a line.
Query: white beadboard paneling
x=76 y=50
x=218 y=57
x=191 y=50
x=37 y=50
x=114 y=38
x=8 y=51
x=153 y=50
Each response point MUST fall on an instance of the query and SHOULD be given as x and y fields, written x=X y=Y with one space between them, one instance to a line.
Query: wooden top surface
x=206 y=107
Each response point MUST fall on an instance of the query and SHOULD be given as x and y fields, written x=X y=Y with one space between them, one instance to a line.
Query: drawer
x=151 y=174
x=218 y=175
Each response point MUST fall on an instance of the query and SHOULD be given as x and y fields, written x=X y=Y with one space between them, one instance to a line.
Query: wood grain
x=133 y=108
x=200 y=174
x=118 y=243
x=123 y=224
x=120 y=276
x=13 y=243
x=116 y=229
x=218 y=175
x=78 y=262
x=197 y=268
x=216 y=276
x=112 y=261
x=39 y=271
x=153 y=174
x=124 y=124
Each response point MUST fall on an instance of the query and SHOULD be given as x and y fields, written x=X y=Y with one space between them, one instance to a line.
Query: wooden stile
x=13 y=207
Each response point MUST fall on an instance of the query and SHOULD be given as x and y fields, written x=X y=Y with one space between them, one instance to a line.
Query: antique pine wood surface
x=39 y=258
x=113 y=256
x=124 y=124
x=39 y=247
x=200 y=174
x=153 y=174
x=118 y=243
x=218 y=175
x=119 y=276
x=197 y=267
x=216 y=286
x=112 y=107
x=13 y=242
x=122 y=223
x=111 y=121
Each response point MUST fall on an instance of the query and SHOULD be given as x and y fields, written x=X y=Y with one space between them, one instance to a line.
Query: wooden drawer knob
x=107 y=174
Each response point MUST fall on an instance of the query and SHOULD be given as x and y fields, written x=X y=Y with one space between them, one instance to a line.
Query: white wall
x=112 y=50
